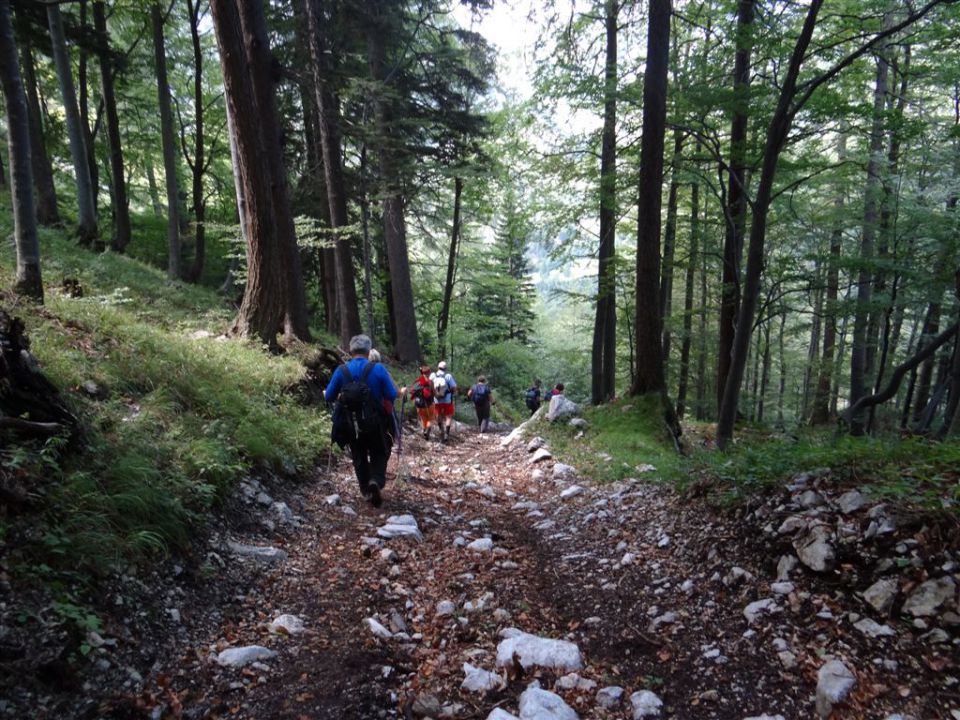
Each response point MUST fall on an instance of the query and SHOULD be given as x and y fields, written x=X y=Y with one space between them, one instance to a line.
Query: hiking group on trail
x=363 y=393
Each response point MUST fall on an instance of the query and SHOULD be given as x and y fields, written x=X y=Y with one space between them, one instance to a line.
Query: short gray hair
x=360 y=345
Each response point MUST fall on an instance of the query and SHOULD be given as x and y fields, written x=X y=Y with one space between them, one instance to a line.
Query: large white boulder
x=533 y=651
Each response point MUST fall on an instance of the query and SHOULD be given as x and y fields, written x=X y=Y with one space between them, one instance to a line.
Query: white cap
x=442 y=365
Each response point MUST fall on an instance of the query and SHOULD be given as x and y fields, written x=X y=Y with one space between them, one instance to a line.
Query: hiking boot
x=367 y=492
x=426 y=433
x=446 y=433
x=376 y=496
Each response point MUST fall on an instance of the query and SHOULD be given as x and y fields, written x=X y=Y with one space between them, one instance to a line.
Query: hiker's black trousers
x=483 y=415
x=370 y=454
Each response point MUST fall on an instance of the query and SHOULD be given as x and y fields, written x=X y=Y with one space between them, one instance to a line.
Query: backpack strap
x=345 y=372
x=366 y=372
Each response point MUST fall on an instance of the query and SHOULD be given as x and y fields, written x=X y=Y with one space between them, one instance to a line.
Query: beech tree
x=28 y=281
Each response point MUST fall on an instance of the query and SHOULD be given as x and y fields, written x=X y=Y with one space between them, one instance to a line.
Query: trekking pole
x=403 y=402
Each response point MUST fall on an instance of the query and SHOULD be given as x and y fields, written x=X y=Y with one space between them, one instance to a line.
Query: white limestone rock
x=540 y=455
x=533 y=651
x=834 y=683
x=930 y=596
x=563 y=472
x=645 y=704
x=479 y=680
x=754 y=610
x=882 y=593
x=239 y=656
x=498 y=714
x=815 y=548
x=610 y=697
x=481 y=545
x=377 y=629
x=289 y=624
x=851 y=501
x=571 y=491
x=873 y=629
x=560 y=407
x=446 y=607
x=539 y=704
x=266 y=555
x=400 y=526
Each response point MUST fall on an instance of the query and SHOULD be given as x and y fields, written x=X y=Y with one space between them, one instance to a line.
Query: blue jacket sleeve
x=333 y=389
x=388 y=390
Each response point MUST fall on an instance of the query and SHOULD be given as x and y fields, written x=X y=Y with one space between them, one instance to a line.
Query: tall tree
x=329 y=121
x=443 y=319
x=650 y=376
x=860 y=349
x=381 y=27
x=121 y=208
x=198 y=163
x=603 y=370
x=47 y=212
x=28 y=281
x=87 y=231
x=174 y=249
x=261 y=64
x=736 y=206
x=263 y=307
x=689 y=280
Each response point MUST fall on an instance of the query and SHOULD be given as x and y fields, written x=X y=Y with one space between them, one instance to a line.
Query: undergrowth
x=178 y=414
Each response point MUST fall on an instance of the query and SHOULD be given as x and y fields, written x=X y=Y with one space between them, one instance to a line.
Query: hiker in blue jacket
x=369 y=436
x=482 y=397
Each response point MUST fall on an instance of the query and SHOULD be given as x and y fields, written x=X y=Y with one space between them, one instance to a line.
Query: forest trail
x=651 y=589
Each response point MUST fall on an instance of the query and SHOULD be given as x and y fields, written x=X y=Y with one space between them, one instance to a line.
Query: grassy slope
x=182 y=418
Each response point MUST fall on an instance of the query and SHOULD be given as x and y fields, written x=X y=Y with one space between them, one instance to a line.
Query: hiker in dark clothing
x=533 y=396
x=482 y=397
x=370 y=440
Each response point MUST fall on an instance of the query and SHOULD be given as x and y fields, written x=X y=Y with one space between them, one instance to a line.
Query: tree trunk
x=650 y=376
x=174 y=267
x=121 y=209
x=736 y=210
x=603 y=358
x=782 y=392
x=89 y=132
x=689 y=280
x=669 y=250
x=820 y=413
x=260 y=64
x=47 y=213
x=764 y=373
x=950 y=413
x=367 y=250
x=28 y=280
x=702 y=344
x=444 y=317
x=198 y=165
x=329 y=109
x=407 y=344
x=87 y=230
x=265 y=296
x=813 y=347
x=860 y=350
x=776 y=137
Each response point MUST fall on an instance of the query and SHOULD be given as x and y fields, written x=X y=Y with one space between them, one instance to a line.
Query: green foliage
x=621 y=438
x=183 y=413
x=910 y=470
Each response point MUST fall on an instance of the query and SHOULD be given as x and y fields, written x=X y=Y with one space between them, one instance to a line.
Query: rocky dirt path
x=663 y=607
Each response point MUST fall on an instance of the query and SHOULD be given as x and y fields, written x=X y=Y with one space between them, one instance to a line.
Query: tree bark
x=736 y=210
x=776 y=137
x=260 y=63
x=820 y=413
x=860 y=349
x=121 y=208
x=329 y=109
x=649 y=365
x=89 y=132
x=669 y=251
x=689 y=279
x=603 y=358
x=198 y=165
x=174 y=261
x=264 y=303
x=444 y=317
x=407 y=342
x=28 y=281
x=87 y=230
x=46 y=191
